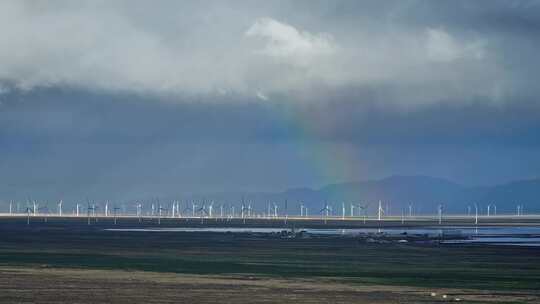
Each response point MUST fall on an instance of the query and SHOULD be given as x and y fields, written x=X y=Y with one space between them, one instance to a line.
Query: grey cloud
x=202 y=48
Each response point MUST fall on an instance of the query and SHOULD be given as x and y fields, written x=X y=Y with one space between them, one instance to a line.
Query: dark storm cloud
x=183 y=97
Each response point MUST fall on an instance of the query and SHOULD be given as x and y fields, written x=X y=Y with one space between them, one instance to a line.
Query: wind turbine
x=364 y=209
x=325 y=211
x=193 y=205
x=160 y=209
x=244 y=208
x=94 y=211
x=440 y=211
x=476 y=214
x=203 y=211
x=28 y=211
x=60 y=208
x=77 y=208
x=88 y=210
x=106 y=208
x=488 y=209
x=210 y=209
x=519 y=210
x=343 y=210
x=139 y=211
x=352 y=210
x=115 y=209
x=301 y=209
x=10 y=207
x=410 y=209
x=380 y=211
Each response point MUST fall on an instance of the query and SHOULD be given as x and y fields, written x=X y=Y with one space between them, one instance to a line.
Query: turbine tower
x=325 y=211
x=363 y=211
x=476 y=214
x=28 y=211
x=440 y=211
x=60 y=208
x=380 y=211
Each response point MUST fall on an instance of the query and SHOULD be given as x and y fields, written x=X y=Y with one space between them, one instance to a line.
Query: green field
x=509 y=270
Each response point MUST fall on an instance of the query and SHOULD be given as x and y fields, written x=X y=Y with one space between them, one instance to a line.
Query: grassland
x=145 y=267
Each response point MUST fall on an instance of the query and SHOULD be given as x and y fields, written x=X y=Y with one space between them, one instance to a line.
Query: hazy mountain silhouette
x=423 y=192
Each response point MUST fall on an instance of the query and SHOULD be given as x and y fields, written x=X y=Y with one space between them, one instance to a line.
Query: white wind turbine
x=115 y=209
x=476 y=214
x=380 y=211
x=440 y=211
x=60 y=208
x=363 y=211
x=28 y=211
x=325 y=211
x=139 y=211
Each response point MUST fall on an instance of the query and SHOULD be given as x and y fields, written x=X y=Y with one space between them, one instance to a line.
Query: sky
x=128 y=99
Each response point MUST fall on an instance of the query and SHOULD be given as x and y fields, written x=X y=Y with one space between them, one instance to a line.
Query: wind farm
x=275 y=214
x=194 y=255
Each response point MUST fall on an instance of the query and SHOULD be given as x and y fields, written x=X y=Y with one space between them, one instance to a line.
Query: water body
x=516 y=236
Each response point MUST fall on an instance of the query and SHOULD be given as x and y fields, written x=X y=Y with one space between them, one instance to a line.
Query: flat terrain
x=131 y=221
x=49 y=263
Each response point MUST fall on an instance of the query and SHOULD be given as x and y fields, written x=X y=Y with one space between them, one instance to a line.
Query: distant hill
x=423 y=192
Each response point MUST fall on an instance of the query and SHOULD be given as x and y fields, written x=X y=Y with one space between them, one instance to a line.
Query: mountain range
x=424 y=193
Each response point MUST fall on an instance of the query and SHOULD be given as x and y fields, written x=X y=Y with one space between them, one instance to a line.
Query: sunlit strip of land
x=276 y=221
